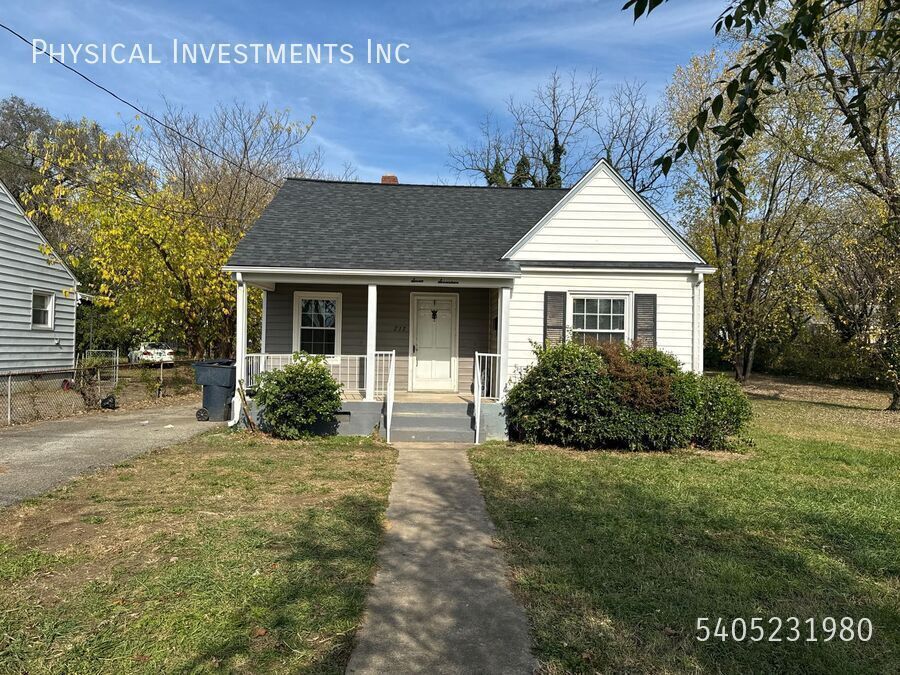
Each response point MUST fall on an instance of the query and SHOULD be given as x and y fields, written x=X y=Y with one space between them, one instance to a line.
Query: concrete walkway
x=38 y=457
x=440 y=601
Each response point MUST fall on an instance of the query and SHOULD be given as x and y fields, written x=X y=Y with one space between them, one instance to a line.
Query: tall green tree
x=849 y=50
x=763 y=255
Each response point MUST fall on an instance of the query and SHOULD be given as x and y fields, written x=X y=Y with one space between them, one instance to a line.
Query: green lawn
x=228 y=553
x=615 y=555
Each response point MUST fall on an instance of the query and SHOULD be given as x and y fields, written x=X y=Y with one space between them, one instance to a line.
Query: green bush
x=300 y=399
x=817 y=353
x=558 y=399
x=656 y=401
x=655 y=360
x=723 y=413
x=615 y=397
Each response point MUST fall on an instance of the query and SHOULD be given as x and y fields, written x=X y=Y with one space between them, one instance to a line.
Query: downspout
x=697 y=330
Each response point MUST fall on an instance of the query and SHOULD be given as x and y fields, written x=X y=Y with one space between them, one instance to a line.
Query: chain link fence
x=50 y=394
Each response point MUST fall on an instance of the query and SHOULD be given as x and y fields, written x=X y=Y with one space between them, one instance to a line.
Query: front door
x=434 y=340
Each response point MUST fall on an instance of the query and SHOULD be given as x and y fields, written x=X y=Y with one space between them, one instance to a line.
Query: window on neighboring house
x=598 y=319
x=320 y=319
x=41 y=310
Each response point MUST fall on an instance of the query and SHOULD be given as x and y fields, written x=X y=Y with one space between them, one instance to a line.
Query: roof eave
x=316 y=271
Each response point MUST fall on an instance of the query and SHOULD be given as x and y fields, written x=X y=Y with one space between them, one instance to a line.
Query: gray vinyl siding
x=24 y=269
x=392 y=326
x=494 y=321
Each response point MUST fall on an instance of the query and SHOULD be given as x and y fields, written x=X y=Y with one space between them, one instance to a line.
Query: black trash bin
x=217 y=377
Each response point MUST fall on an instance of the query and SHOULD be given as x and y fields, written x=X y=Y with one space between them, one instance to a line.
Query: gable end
x=603 y=219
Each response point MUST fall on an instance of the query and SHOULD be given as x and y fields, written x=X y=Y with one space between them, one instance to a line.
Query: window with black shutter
x=645 y=320
x=554 y=317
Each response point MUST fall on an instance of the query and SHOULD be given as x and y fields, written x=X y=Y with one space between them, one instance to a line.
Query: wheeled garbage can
x=217 y=377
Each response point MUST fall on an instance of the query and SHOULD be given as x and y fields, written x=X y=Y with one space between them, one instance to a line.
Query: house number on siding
x=398 y=328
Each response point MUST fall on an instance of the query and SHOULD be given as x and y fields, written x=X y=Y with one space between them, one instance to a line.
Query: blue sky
x=466 y=58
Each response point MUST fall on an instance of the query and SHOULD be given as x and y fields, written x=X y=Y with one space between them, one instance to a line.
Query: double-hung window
x=597 y=318
x=319 y=323
x=41 y=309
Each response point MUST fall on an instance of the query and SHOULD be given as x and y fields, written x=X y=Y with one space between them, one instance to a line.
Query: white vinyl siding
x=25 y=270
x=674 y=291
x=602 y=222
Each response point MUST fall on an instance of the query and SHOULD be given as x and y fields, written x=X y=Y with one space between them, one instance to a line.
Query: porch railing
x=488 y=384
x=391 y=359
x=383 y=363
x=348 y=369
x=257 y=364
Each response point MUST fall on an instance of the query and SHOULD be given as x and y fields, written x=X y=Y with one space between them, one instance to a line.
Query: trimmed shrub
x=611 y=396
x=300 y=399
x=607 y=397
x=723 y=413
x=656 y=402
x=558 y=399
x=655 y=360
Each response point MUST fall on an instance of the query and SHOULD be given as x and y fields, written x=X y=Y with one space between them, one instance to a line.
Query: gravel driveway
x=39 y=457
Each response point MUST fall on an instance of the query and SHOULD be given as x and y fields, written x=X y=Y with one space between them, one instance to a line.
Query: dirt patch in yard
x=787 y=389
x=828 y=407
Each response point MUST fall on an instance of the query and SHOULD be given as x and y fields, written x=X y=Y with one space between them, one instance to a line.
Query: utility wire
x=131 y=105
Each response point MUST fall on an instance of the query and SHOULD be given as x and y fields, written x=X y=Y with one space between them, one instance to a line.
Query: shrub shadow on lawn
x=615 y=575
x=328 y=557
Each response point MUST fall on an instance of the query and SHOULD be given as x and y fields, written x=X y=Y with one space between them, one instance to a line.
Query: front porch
x=387 y=343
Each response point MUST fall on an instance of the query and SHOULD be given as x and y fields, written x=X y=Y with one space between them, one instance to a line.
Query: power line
x=137 y=109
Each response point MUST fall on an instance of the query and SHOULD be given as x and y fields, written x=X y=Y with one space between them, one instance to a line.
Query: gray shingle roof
x=342 y=225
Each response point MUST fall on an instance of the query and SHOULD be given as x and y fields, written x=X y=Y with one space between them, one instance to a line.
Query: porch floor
x=415 y=397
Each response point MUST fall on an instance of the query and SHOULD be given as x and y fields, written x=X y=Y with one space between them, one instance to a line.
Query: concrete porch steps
x=433 y=422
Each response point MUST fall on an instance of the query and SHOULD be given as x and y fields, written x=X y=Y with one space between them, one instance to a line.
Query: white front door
x=434 y=358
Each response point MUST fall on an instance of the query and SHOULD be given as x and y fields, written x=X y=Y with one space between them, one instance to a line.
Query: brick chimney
x=389 y=179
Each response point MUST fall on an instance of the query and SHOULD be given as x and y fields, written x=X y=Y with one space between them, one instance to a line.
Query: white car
x=152 y=353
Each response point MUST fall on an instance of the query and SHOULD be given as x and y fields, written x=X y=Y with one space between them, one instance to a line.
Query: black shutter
x=645 y=320
x=554 y=317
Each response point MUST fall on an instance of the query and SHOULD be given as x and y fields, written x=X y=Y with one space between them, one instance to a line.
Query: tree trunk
x=895 y=399
x=737 y=362
x=748 y=364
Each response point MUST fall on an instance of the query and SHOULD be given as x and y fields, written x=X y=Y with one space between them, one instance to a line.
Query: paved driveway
x=39 y=457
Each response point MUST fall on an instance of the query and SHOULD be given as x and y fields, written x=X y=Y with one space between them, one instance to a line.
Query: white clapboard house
x=428 y=299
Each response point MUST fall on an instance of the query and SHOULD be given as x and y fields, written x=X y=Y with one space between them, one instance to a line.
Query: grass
x=615 y=555
x=230 y=553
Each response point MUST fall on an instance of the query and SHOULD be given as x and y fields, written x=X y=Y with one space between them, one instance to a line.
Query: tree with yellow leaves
x=158 y=215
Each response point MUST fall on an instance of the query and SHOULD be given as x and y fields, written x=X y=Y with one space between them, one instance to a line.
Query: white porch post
x=240 y=349
x=262 y=338
x=503 y=337
x=371 y=324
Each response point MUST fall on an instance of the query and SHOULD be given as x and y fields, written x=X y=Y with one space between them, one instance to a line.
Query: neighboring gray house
x=434 y=296
x=37 y=296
